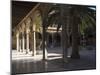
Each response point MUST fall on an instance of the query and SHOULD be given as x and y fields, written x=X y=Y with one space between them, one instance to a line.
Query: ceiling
x=19 y=9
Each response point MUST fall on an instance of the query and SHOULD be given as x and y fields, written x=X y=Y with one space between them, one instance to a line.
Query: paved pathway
x=30 y=64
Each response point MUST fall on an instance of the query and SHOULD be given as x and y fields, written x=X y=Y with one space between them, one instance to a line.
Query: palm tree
x=76 y=16
x=80 y=14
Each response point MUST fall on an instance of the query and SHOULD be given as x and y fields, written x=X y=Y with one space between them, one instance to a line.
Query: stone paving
x=24 y=64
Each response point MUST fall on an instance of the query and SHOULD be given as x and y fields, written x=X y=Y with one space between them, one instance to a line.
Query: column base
x=66 y=59
x=18 y=50
x=34 y=53
x=45 y=59
x=27 y=51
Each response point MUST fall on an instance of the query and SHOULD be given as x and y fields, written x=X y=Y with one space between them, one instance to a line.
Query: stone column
x=23 y=42
x=17 y=42
x=47 y=39
x=27 y=42
x=20 y=41
x=33 y=40
x=33 y=43
x=34 y=35
x=52 y=40
x=60 y=34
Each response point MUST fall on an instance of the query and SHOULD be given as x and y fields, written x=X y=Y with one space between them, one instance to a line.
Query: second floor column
x=27 y=42
x=23 y=42
x=20 y=45
x=17 y=42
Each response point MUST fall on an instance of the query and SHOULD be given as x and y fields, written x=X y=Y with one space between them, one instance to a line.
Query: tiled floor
x=22 y=63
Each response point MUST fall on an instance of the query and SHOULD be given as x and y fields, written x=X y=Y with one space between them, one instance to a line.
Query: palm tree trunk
x=44 y=40
x=75 y=41
x=64 y=42
x=65 y=20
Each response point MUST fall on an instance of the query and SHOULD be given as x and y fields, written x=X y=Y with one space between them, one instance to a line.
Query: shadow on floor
x=26 y=67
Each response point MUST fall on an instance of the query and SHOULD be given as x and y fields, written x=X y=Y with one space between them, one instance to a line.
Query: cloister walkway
x=22 y=63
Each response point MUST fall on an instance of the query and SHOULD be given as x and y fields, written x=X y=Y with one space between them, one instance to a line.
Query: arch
x=27 y=24
x=28 y=20
x=20 y=28
x=23 y=26
x=36 y=20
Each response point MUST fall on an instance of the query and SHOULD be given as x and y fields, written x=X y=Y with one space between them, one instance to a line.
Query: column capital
x=17 y=35
x=23 y=33
x=27 y=31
